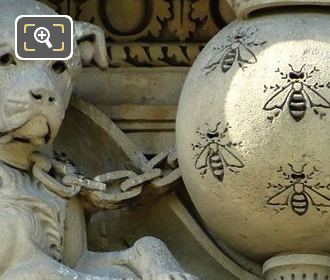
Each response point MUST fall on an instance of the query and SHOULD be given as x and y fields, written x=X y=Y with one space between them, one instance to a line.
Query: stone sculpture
x=254 y=156
x=42 y=218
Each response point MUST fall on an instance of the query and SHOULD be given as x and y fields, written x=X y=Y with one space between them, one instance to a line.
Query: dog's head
x=35 y=94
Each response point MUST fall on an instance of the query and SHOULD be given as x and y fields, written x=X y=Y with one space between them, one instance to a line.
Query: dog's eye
x=7 y=59
x=59 y=67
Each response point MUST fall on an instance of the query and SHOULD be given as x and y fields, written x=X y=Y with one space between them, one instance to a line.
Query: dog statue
x=43 y=234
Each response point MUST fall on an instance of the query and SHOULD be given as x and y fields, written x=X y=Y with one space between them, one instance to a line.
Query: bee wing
x=229 y=158
x=246 y=55
x=317 y=198
x=281 y=198
x=201 y=160
x=217 y=58
x=278 y=100
x=315 y=98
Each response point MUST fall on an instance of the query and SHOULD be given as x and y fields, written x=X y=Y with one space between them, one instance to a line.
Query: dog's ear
x=92 y=46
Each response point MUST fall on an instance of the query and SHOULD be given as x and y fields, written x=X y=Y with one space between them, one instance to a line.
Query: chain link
x=109 y=190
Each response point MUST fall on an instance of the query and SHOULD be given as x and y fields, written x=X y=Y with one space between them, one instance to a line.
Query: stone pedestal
x=297 y=267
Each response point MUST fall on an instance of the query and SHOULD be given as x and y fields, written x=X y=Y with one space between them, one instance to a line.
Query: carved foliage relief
x=164 y=32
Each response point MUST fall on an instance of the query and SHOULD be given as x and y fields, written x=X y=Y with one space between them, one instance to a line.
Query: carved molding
x=153 y=54
x=164 y=32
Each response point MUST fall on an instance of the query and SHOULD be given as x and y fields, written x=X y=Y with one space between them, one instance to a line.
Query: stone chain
x=109 y=190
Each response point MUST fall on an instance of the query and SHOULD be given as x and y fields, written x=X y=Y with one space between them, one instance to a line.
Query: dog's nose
x=43 y=95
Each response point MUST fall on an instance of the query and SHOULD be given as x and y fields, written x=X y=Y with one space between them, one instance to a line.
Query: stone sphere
x=253 y=134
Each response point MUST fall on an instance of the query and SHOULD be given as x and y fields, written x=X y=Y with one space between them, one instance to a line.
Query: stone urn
x=253 y=136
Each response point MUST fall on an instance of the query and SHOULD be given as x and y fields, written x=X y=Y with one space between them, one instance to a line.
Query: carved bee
x=211 y=152
x=297 y=93
x=238 y=49
x=299 y=194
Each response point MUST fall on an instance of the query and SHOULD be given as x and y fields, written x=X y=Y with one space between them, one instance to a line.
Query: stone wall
x=166 y=35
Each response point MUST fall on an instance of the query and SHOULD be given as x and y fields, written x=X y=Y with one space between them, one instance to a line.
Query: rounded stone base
x=297 y=267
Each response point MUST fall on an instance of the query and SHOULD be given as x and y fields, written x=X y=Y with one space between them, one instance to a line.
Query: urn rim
x=244 y=8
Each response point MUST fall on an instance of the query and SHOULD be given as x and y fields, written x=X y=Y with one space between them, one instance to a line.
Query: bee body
x=229 y=58
x=297 y=105
x=299 y=203
x=216 y=166
x=215 y=155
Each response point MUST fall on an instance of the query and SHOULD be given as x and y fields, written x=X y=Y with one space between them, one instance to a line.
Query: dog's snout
x=43 y=95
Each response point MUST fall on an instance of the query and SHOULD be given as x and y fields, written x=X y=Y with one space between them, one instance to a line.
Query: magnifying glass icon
x=42 y=35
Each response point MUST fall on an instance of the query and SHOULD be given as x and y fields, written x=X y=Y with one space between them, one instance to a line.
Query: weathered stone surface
x=253 y=133
x=297 y=266
x=42 y=198
x=243 y=9
x=165 y=33
x=143 y=86
x=146 y=116
x=188 y=242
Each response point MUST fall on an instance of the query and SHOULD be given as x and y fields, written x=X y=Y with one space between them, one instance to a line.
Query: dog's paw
x=176 y=276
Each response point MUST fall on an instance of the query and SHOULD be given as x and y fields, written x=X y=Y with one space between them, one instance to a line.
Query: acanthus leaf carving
x=149 y=22
x=151 y=32
x=146 y=54
x=59 y=5
x=182 y=23
x=160 y=14
x=201 y=12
